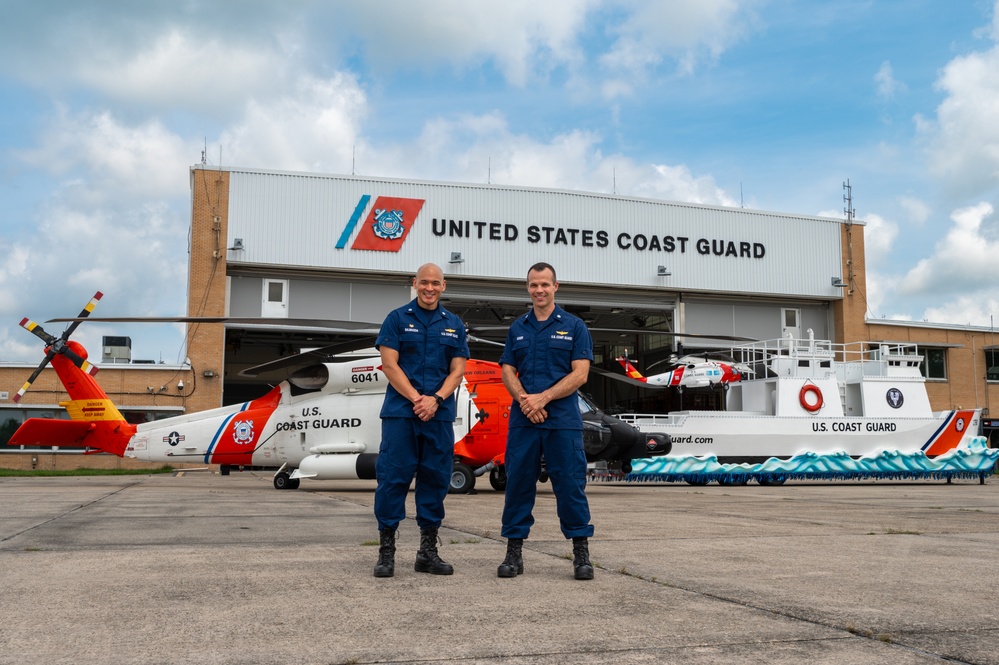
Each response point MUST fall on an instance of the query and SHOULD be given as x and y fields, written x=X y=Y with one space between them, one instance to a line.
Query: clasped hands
x=425 y=407
x=533 y=407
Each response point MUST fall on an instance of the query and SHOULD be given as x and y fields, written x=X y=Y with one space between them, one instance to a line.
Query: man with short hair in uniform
x=423 y=351
x=546 y=359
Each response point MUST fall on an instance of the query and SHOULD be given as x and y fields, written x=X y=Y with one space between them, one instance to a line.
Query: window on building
x=8 y=426
x=992 y=364
x=934 y=363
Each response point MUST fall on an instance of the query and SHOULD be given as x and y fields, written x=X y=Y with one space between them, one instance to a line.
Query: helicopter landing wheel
x=497 y=478
x=283 y=481
x=462 y=480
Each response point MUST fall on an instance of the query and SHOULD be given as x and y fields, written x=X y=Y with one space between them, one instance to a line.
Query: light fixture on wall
x=456 y=258
x=661 y=271
x=839 y=283
x=237 y=244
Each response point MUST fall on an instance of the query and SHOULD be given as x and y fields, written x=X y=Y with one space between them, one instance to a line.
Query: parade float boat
x=811 y=409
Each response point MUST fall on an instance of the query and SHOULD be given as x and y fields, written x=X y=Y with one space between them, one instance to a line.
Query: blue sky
x=104 y=106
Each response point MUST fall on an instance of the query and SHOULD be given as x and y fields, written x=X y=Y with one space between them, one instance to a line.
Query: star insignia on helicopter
x=173 y=438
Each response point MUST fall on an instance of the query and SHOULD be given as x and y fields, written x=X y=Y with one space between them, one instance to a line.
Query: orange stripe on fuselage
x=240 y=437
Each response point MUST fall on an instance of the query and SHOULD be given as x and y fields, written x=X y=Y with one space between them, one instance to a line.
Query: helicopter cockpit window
x=585 y=405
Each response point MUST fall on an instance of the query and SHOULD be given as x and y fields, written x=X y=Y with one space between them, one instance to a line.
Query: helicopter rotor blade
x=306 y=358
x=356 y=327
x=34 y=375
x=56 y=346
x=480 y=340
x=84 y=314
x=38 y=331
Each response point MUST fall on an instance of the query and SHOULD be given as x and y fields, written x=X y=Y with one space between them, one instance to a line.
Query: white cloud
x=980 y=309
x=120 y=161
x=313 y=128
x=178 y=69
x=917 y=210
x=677 y=183
x=688 y=32
x=879 y=238
x=887 y=86
x=962 y=262
x=481 y=148
x=963 y=140
x=115 y=220
x=525 y=38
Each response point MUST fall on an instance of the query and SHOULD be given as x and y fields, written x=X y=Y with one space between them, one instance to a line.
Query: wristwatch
x=440 y=400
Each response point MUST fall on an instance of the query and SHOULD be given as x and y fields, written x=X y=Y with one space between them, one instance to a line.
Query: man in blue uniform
x=546 y=359
x=423 y=351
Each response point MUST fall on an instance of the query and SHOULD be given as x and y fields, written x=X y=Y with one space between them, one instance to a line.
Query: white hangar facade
x=293 y=246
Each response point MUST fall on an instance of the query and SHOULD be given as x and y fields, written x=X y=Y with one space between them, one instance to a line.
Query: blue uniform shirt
x=542 y=352
x=425 y=354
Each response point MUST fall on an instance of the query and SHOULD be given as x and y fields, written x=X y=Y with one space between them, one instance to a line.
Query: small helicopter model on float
x=688 y=372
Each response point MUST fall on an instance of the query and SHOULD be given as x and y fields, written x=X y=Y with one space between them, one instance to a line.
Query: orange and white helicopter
x=320 y=423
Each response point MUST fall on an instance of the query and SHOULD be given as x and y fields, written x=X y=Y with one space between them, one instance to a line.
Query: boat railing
x=796 y=357
x=650 y=418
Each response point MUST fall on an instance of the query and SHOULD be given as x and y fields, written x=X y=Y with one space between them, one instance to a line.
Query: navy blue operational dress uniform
x=427 y=341
x=542 y=353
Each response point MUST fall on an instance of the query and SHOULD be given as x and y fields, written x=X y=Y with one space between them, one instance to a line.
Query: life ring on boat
x=810 y=389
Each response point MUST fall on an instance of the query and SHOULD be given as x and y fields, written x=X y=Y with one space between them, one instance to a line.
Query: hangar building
x=293 y=246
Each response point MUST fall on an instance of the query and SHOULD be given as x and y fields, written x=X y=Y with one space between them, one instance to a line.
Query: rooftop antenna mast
x=353 y=159
x=848 y=198
x=850 y=216
x=615 y=181
x=489 y=171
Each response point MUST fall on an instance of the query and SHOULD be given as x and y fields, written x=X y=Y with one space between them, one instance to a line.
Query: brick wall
x=70 y=462
x=207 y=282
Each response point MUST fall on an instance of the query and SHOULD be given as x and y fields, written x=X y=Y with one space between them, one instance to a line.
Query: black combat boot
x=427 y=559
x=581 y=559
x=513 y=564
x=386 y=554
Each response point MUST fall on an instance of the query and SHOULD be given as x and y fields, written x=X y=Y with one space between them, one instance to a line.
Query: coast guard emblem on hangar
x=388 y=224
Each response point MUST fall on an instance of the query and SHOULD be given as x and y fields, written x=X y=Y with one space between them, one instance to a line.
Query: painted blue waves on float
x=978 y=461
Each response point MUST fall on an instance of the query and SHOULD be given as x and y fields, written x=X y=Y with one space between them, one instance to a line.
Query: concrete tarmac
x=203 y=568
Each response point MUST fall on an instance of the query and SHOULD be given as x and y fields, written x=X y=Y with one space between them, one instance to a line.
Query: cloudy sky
x=770 y=104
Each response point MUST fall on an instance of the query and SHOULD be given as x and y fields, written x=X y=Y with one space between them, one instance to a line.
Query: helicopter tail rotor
x=59 y=346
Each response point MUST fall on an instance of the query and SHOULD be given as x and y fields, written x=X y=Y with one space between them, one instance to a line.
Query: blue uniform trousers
x=412 y=447
x=566 y=465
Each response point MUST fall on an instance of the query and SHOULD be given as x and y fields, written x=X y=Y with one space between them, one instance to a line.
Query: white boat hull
x=742 y=437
